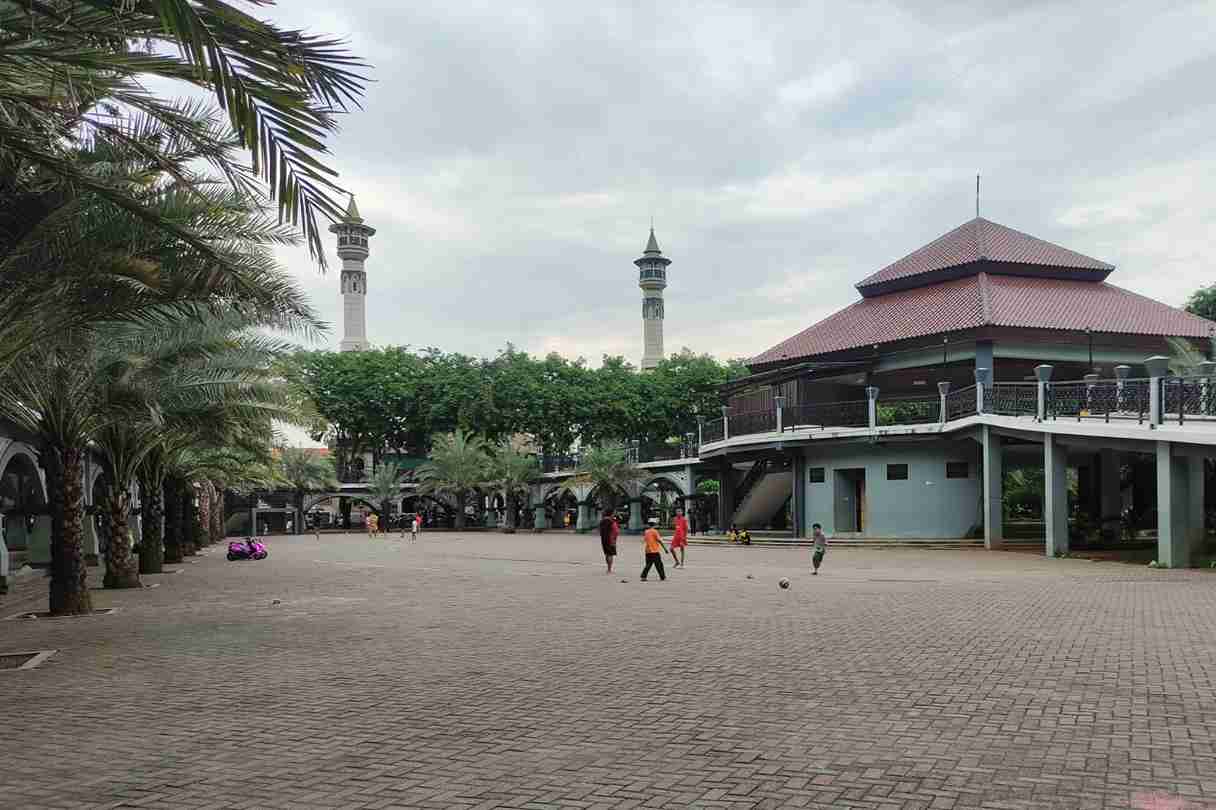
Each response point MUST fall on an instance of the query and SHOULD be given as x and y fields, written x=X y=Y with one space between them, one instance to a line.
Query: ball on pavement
x=784 y=583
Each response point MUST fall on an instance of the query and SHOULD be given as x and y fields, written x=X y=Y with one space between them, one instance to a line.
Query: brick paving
x=485 y=670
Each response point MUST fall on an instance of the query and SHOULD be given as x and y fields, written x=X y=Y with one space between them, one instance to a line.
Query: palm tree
x=512 y=471
x=456 y=466
x=68 y=68
x=383 y=486
x=608 y=470
x=305 y=472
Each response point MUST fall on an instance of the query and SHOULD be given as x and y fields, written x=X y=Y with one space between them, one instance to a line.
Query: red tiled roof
x=987 y=300
x=981 y=240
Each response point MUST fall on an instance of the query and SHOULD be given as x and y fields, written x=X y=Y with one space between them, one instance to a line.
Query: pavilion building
x=983 y=303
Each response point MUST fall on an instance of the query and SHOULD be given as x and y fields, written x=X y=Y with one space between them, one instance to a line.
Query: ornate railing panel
x=850 y=413
x=742 y=424
x=711 y=431
x=558 y=462
x=1184 y=398
x=909 y=410
x=1101 y=399
x=1012 y=398
x=961 y=403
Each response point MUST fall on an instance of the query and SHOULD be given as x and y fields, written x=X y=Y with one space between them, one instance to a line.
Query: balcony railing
x=1187 y=398
x=1012 y=398
x=753 y=422
x=711 y=430
x=849 y=413
x=961 y=403
x=1104 y=399
x=909 y=410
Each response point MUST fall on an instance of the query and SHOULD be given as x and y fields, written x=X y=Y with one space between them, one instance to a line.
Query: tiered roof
x=985 y=274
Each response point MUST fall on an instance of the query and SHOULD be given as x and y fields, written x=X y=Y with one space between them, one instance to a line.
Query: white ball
x=784 y=583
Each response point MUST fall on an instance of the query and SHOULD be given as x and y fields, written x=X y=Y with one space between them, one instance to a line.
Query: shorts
x=817 y=557
x=679 y=542
x=609 y=548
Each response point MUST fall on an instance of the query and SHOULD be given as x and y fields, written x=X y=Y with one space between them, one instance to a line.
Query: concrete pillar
x=725 y=423
x=635 y=516
x=993 y=473
x=40 y=540
x=582 y=524
x=1157 y=367
x=726 y=497
x=1179 y=508
x=984 y=357
x=943 y=391
x=798 y=496
x=1110 y=501
x=983 y=377
x=779 y=401
x=872 y=405
x=1055 y=495
x=539 y=523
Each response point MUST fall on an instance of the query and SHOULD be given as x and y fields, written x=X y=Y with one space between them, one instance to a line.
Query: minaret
x=352 y=250
x=652 y=278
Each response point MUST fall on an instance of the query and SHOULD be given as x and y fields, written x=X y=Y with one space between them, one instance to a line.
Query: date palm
x=456 y=466
x=609 y=471
x=512 y=471
x=383 y=486
x=305 y=472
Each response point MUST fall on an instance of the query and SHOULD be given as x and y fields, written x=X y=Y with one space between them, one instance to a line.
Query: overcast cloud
x=511 y=157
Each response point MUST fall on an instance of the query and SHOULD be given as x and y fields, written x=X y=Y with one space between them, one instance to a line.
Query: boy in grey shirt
x=821 y=547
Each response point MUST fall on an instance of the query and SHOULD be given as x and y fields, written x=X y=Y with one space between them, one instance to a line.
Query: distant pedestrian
x=821 y=547
x=652 y=543
x=610 y=530
x=415 y=527
x=373 y=524
x=679 y=538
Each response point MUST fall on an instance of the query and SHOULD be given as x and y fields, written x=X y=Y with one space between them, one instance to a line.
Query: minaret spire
x=352 y=236
x=652 y=278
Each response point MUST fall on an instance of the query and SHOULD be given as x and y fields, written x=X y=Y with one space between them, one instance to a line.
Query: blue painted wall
x=926 y=506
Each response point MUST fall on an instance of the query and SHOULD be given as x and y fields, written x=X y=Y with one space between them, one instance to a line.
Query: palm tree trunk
x=202 y=517
x=217 y=514
x=189 y=520
x=152 y=527
x=508 y=525
x=122 y=570
x=173 y=521
x=69 y=577
x=460 y=499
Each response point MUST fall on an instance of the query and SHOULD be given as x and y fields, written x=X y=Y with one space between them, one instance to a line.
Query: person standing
x=610 y=530
x=679 y=538
x=415 y=527
x=652 y=543
x=373 y=524
x=821 y=547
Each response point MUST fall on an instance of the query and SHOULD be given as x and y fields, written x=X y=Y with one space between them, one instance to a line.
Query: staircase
x=763 y=498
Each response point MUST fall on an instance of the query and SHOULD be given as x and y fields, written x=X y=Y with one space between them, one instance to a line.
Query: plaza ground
x=488 y=670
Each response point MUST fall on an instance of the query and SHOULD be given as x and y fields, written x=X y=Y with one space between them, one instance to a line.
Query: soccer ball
x=784 y=583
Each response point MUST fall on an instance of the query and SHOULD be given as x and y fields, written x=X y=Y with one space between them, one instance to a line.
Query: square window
x=816 y=475
x=958 y=469
x=897 y=472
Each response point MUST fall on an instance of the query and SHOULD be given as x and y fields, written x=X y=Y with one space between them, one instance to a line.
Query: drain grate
x=11 y=661
x=46 y=615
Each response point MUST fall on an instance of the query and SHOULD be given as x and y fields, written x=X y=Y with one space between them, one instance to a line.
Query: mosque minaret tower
x=652 y=278
x=352 y=250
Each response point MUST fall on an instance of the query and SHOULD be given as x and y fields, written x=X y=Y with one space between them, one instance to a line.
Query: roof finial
x=977 y=195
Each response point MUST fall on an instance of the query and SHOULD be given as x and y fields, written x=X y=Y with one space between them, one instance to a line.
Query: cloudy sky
x=511 y=156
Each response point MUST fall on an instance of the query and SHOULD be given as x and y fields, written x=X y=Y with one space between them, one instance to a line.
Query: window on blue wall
x=816 y=475
x=897 y=472
x=957 y=469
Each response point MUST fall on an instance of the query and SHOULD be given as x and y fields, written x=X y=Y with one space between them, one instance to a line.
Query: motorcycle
x=249 y=549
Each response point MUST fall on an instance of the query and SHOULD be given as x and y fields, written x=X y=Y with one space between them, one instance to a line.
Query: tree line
x=398 y=399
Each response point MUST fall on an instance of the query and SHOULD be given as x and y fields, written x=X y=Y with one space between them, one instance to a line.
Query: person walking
x=821 y=547
x=610 y=530
x=652 y=543
x=373 y=524
x=679 y=538
x=415 y=527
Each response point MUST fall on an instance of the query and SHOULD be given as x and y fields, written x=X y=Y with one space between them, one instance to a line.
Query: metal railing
x=909 y=410
x=559 y=462
x=753 y=422
x=1184 y=398
x=711 y=430
x=850 y=413
x=1102 y=399
x=1012 y=398
x=961 y=403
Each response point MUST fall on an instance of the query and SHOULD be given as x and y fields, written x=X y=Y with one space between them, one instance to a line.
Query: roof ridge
x=985 y=300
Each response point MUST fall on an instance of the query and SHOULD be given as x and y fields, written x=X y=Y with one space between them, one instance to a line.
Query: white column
x=943 y=390
x=993 y=472
x=1055 y=495
x=1157 y=367
x=1042 y=374
x=872 y=405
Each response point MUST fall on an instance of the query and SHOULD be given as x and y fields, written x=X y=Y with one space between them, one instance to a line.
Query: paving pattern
x=486 y=670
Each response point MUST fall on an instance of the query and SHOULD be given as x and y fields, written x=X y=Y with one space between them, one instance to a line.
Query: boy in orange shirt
x=653 y=544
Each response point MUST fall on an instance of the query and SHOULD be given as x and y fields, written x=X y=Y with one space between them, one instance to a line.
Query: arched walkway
x=22 y=495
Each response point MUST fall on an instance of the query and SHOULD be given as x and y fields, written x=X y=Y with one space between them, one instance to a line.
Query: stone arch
x=329 y=496
x=676 y=482
x=23 y=493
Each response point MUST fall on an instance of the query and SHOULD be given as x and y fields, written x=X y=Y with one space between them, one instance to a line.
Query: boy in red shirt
x=610 y=530
x=679 y=538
